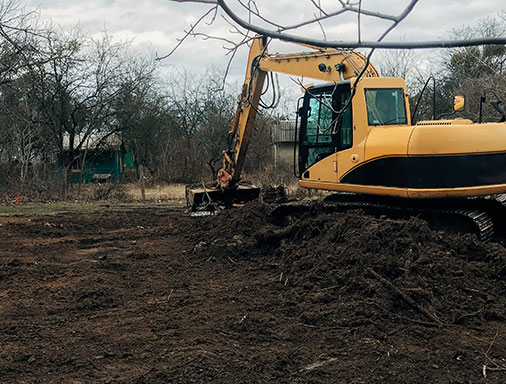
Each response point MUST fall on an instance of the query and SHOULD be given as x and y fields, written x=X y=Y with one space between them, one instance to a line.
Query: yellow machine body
x=432 y=159
x=345 y=142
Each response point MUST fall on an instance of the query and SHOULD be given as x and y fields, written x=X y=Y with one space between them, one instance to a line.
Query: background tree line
x=59 y=88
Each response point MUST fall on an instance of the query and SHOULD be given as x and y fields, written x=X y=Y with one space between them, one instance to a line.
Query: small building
x=283 y=140
x=104 y=158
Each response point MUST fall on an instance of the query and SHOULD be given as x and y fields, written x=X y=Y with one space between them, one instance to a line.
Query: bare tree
x=202 y=111
x=22 y=40
x=477 y=72
x=75 y=91
x=25 y=134
x=397 y=63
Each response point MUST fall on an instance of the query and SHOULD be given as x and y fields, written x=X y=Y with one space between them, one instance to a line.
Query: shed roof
x=94 y=140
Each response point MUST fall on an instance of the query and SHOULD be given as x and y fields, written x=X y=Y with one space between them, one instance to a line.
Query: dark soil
x=153 y=296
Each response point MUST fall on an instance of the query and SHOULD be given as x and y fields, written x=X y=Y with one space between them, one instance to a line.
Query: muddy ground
x=152 y=296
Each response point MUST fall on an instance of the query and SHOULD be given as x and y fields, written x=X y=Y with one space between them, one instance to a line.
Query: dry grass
x=157 y=192
x=176 y=192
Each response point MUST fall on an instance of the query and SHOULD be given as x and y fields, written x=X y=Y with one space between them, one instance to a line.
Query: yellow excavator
x=356 y=138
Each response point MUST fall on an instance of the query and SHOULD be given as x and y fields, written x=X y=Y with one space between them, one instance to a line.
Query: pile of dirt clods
x=383 y=300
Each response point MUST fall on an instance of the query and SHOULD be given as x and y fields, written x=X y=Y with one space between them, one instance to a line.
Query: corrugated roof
x=94 y=140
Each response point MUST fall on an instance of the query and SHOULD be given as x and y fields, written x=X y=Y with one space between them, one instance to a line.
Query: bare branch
x=359 y=21
x=190 y=31
x=312 y=21
x=318 y=6
x=364 y=44
x=345 y=9
x=369 y=13
x=323 y=31
x=401 y=17
x=257 y=13
x=205 y=36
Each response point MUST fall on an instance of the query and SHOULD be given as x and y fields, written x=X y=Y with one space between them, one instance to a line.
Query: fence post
x=142 y=182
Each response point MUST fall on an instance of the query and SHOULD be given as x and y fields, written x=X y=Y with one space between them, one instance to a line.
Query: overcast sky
x=156 y=24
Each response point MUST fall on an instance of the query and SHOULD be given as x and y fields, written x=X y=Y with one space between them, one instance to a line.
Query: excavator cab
x=326 y=118
x=326 y=123
x=347 y=123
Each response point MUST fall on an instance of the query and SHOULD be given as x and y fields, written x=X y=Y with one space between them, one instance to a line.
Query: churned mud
x=150 y=295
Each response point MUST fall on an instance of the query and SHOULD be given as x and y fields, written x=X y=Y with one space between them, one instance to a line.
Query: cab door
x=326 y=127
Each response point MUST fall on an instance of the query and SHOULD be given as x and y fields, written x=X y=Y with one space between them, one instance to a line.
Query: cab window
x=385 y=106
x=319 y=121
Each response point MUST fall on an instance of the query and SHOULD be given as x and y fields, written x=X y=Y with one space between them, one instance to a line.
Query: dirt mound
x=457 y=278
x=374 y=277
x=356 y=257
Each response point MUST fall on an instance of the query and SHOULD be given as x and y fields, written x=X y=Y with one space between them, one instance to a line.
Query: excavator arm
x=329 y=65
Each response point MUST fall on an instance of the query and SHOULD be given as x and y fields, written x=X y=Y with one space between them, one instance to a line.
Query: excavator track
x=485 y=216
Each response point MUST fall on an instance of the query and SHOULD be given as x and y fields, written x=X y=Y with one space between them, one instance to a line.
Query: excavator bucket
x=204 y=200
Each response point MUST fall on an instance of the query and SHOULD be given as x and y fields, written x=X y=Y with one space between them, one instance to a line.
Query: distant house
x=283 y=139
x=104 y=157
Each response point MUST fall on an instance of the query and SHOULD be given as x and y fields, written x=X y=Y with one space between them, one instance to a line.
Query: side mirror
x=458 y=103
